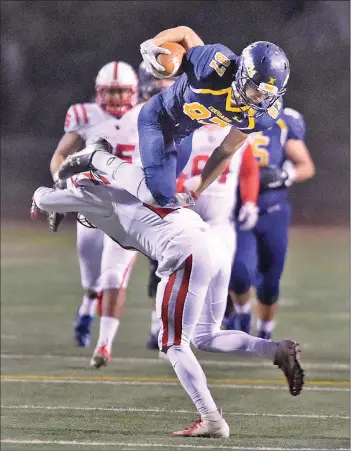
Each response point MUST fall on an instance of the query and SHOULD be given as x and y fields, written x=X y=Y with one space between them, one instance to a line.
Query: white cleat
x=101 y=357
x=206 y=428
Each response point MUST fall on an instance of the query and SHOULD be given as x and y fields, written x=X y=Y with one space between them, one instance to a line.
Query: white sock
x=108 y=330
x=193 y=380
x=88 y=306
x=238 y=343
x=240 y=309
x=155 y=324
x=265 y=326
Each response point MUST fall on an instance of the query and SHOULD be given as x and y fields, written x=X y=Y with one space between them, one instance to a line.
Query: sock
x=238 y=343
x=193 y=380
x=108 y=330
x=265 y=326
x=88 y=306
x=243 y=309
x=155 y=324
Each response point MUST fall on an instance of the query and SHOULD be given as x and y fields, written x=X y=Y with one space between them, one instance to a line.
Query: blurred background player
x=217 y=203
x=284 y=159
x=116 y=88
x=113 y=302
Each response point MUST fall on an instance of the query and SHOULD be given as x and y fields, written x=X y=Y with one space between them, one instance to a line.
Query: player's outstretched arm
x=220 y=158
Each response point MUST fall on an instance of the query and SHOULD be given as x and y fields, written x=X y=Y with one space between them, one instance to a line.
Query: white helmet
x=117 y=75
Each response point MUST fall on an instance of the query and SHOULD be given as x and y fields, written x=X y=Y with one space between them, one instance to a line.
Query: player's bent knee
x=110 y=280
x=240 y=280
x=267 y=298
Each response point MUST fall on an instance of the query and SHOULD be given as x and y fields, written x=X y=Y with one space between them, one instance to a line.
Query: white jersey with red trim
x=163 y=234
x=90 y=121
x=217 y=202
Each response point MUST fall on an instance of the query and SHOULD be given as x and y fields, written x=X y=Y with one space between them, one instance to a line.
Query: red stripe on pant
x=165 y=302
x=179 y=307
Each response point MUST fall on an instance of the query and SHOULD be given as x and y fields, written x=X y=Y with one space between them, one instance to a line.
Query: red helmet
x=117 y=76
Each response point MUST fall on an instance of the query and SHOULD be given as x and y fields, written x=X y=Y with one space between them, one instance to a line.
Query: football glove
x=272 y=177
x=181 y=200
x=149 y=52
x=248 y=216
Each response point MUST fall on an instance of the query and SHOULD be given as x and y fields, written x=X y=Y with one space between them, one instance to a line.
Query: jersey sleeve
x=295 y=123
x=207 y=65
x=249 y=176
x=76 y=119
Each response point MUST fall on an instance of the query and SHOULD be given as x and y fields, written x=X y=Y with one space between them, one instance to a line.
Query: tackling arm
x=219 y=159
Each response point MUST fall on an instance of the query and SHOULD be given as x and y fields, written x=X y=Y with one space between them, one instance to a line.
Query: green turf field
x=51 y=399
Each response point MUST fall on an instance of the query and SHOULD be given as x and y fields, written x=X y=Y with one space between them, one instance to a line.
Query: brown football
x=173 y=61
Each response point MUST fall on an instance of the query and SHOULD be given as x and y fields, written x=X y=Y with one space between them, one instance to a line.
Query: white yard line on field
x=157 y=410
x=153 y=361
x=153 y=445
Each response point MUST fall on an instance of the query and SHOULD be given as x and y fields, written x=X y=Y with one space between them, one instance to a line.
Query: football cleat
x=152 y=342
x=264 y=334
x=101 y=357
x=206 y=428
x=82 y=161
x=54 y=220
x=287 y=358
x=82 y=330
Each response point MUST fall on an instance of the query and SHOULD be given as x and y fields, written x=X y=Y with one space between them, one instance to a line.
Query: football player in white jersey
x=217 y=203
x=116 y=265
x=191 y=296
x=116 y=93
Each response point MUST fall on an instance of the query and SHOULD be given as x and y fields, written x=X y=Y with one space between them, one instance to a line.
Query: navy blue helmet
x=149 y=85
x=263 y=69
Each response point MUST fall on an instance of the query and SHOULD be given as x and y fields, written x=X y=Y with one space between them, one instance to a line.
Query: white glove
x=248 y=216
x=149 y=52
x=180 y=200
x=289 y=168
x=191 y=183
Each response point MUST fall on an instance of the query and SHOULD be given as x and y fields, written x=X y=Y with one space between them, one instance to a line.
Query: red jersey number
x=124 y=152
x=199 y=163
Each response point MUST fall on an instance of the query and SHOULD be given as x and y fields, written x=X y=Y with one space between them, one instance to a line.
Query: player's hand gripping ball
x=173 y=61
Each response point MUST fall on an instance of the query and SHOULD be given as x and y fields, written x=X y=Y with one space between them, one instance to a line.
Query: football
x=173 y=61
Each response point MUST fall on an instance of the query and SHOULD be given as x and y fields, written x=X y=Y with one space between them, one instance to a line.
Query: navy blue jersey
x=203 y=94
x=269 y=149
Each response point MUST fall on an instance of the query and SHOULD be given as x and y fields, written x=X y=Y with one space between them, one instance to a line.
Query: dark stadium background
x=52 y=50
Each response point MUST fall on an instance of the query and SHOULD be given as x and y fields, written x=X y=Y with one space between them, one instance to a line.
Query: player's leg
x=179 y=302
x=116 y=268
x=272 y=248
x=209 y=337
x=152 y=342
x=157 y=151
x=89 y=250
x=241 y=280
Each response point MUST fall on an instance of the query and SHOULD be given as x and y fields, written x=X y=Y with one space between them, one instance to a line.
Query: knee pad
x=240 y=279
x=153 y=280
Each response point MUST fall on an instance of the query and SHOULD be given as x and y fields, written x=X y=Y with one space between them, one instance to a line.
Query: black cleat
x=287 y=358
x=54 y=220
x=82 y=161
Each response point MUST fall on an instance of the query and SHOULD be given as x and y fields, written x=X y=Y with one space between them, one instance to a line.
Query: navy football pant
x=260 y=256
x=163 y=150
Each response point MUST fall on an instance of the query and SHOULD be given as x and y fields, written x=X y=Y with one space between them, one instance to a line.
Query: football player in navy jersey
x=284 y=159
x=216 y=87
